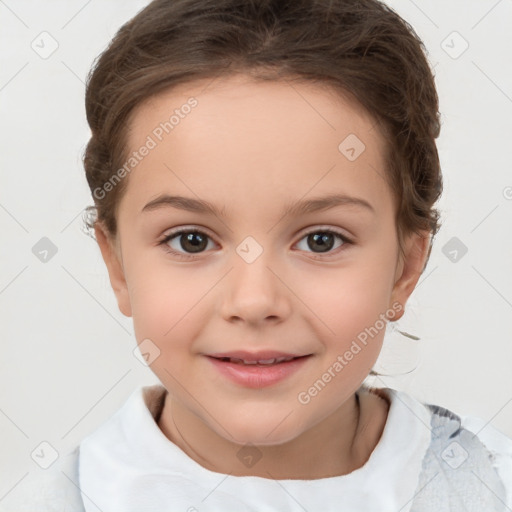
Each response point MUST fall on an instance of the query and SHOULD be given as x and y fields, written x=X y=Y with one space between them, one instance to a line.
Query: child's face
x=258 y=282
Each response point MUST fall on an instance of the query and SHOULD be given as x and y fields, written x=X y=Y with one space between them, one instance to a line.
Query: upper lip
x=262 y=355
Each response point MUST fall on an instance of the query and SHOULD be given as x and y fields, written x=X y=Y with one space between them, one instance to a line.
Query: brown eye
x=193 y=242
x=185 y=242
x=323 y=241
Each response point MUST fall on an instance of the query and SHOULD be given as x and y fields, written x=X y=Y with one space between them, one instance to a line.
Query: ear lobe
x=115 y=269
x=410 y=268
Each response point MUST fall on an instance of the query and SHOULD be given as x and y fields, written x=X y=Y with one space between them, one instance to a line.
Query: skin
x=250 y=148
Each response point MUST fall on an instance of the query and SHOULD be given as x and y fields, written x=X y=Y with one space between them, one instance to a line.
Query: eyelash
x=184 y=256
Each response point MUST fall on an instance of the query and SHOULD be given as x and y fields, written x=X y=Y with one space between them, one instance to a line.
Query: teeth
x=260 y=361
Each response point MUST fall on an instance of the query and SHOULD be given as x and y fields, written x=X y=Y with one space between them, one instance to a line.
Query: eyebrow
x=291 y=209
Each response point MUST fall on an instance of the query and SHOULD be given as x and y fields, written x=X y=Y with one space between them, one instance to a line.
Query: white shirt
x=128 y=464
x=418 y=465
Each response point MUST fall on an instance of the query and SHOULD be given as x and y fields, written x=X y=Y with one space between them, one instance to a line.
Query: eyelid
x=304 y=231
x=187 y=228
x=315 y=228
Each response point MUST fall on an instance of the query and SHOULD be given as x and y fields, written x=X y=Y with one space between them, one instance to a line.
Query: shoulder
x=468 y=465
x=54 y=489
x=499 y=447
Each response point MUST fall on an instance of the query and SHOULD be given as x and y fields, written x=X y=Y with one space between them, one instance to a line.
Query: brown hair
x=360 y=48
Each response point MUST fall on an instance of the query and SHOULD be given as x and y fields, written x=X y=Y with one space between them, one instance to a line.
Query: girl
x=264 y=176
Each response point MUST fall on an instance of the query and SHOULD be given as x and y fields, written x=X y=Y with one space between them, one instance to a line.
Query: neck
x=337 y=445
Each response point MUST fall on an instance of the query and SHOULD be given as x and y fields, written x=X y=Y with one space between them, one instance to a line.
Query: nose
x=254 y=293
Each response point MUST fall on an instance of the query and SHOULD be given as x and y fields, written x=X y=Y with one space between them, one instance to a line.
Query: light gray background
x=67 y=358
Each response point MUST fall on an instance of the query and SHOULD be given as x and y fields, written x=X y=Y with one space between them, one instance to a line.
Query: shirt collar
x=129 y=458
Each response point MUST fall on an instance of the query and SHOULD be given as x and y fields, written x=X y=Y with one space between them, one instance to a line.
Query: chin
x=262 y=432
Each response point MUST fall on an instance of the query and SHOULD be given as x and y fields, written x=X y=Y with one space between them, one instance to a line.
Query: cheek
x=168 y=316
x=346 y=300
x=165 y=304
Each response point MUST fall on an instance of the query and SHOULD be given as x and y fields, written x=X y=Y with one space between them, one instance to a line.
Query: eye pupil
x=196 y=240
x=192 y=242
x=324 y=241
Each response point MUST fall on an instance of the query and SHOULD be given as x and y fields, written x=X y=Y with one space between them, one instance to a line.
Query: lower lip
x=255 y=376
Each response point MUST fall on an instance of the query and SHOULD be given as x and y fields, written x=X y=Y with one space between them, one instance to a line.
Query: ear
x=112 y=258
x=410 y=267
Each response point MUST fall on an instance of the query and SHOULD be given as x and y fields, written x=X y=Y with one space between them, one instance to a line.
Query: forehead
x=236 y=137
x=243 y=102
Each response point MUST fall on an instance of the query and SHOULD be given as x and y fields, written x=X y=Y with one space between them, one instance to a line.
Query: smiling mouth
x=259 y=362
x=257 y=370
